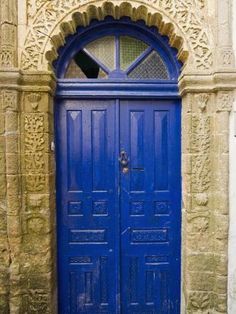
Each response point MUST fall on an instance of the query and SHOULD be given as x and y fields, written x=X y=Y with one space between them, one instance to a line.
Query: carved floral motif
x=200 y=146
x=34 y=123
x=35 y=183
x=34 y=143
x=45 y=15
x=200 y=300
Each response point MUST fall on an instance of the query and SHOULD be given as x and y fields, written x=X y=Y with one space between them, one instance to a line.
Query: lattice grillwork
x=130 y=49
x=152 y=67
x=104 y=50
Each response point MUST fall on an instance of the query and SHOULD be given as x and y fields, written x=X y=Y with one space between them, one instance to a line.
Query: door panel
x=150 y=207
x=88 y=252
x=118 y=231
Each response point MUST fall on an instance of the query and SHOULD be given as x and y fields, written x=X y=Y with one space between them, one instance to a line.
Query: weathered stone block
x=2 y=163
x=203 y=281
x=220 y=284
x=3 y=185
x=220 y=301
x=2 y=144
x=13 y=185
x=12 y=163
x=11 y=123
x=221 y=265
x=2 y=123
x=201 y=262
x=12 y=144
x=13 y=203
x=36 y=244
x=13 y=226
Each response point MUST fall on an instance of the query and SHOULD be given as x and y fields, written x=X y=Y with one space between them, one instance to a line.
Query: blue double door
x=118 y=197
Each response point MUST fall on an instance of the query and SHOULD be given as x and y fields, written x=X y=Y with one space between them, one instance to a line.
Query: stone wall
x=30 y=37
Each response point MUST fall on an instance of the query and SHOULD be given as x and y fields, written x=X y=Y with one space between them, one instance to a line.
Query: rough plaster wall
x=232 y=230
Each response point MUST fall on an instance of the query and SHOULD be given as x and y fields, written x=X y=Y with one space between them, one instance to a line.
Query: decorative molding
x=34 y=99
x=224 y=101
x=51 y=21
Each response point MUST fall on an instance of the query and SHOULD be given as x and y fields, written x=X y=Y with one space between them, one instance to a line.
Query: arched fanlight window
x=117 y=56
x=118 y=50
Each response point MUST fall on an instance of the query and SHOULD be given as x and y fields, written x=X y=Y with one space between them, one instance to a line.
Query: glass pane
x=130 y=49
x=152 y=67
x=82 y=66
x=104 y=50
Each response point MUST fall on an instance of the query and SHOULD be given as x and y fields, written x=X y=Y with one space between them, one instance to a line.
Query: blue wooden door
x=118 y=196
x=150 y=207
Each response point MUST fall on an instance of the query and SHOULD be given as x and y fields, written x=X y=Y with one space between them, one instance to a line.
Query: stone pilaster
x=38 y=211
x=225 y=56
x=220 y=152
x=11 y=186
x=198 y=220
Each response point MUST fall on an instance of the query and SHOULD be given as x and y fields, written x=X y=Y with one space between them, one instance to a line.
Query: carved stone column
x=222 y=108
x=10 y=185
x=38 y=215
x=198 y=223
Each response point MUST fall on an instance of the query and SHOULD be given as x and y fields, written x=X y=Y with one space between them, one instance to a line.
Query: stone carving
x=6 y=57
x=35 y=225
x=33 y=6
x=198 y=223
x=34 y=162
x=34 y=141
x=34 y=123
x=8 y=100
x=202 y=101
x=35 y=183
x=227 y=57
x=201 y=3
x=200 y=300
x=224 y=101
x=45 y=16
x=8 y=35
x=34 y=99
x=34 y=202
x=200 y=146
x=36 y=301
x=201 y=199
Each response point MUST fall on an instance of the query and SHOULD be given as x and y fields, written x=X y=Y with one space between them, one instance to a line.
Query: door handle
x=124 y=160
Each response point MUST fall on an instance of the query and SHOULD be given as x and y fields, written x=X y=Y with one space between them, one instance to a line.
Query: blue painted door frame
x=118 y=185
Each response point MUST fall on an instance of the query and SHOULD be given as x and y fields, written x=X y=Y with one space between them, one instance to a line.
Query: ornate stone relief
x=51 y=21
x=224 y=101
x=200 y=147
x=200 y=301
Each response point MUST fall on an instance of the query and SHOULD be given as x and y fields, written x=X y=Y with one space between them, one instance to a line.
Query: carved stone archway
x=181 y=22
x=27 y=178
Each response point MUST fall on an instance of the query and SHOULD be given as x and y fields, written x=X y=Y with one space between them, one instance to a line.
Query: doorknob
x=124 y=160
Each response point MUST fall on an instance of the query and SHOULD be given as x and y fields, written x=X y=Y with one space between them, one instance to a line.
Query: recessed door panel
x=118 y=196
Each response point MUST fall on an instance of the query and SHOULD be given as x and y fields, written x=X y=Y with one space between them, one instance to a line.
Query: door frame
x=120 y=89
x=140 y=97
